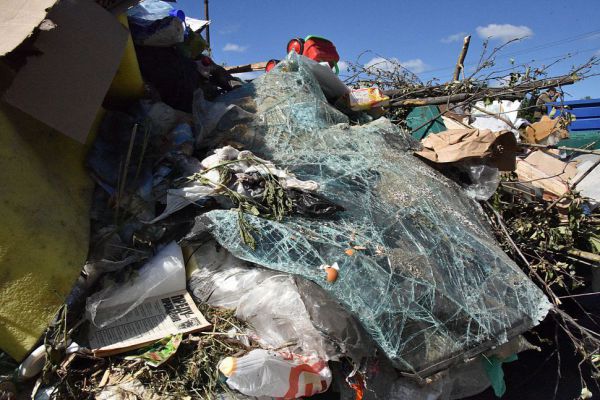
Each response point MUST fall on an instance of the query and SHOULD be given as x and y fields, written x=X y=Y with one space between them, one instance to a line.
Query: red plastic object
x=296 y=44
x=271 y=64
x=206 y=61
x=320 y=50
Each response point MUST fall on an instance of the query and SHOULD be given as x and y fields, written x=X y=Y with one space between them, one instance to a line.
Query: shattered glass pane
x=418 y=265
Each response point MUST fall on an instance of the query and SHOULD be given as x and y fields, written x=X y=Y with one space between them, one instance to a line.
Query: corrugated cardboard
x=65 y=86
x=18 y=20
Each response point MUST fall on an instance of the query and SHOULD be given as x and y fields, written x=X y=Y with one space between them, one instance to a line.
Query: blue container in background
x=586 y=113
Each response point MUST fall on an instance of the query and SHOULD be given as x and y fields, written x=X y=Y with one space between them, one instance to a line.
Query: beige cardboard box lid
x=18 y=20
x=64 y=86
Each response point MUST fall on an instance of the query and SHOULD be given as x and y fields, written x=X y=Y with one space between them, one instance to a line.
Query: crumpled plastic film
x=418 y=265
x=282 y=310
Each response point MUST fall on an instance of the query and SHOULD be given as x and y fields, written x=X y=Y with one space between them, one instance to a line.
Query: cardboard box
x=65 y=85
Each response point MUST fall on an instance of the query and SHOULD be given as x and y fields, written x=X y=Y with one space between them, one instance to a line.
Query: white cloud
x=503 y=32
x=597 y=52
x=415 y=65
x=457 y=37
x=229 y=29
x=594 y=36
x=343 y=66
x=234 y=47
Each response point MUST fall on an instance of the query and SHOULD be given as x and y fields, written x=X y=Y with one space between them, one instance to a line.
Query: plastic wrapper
x=156 y=23
x=164 y=32
x=280 y=309
x=164 y=271
x=182 y=197
x=152 y=10
x=333 y=88
x=366 y=98
x=276 y=374
x=486 y=116
x=418 y=265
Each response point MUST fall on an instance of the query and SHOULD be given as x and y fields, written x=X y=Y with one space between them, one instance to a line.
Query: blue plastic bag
x=152 y=10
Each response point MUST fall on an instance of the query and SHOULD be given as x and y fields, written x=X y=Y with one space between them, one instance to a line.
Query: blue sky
x=426 y=36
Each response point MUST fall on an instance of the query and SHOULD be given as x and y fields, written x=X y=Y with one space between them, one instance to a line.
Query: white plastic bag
x=278 y=308
x=164 y=273
x=277 y=314
x=182 y=197
x=276 y=374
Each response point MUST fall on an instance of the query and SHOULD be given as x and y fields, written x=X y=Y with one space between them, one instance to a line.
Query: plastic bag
x=267 y=300
x=209 y=116
x=164 y=272
x=311 y=204
x=182 y=197
x=276 y=374
x=484 y=181
x=152 y=10
x=276 y=312
x=505 y=109
x=333 y=88
x=279 y=309
x=164 y=32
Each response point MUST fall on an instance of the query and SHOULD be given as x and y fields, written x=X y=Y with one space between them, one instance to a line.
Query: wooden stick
x=234 y=69
x=461 y=58
x=585 y=255
x=431 y=100
x=517 y=90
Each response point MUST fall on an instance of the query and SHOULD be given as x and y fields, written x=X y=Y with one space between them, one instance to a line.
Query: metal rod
x=206 y=17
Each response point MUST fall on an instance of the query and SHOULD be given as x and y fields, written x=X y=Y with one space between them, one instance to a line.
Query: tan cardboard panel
x=18 y=19
x=65 y=86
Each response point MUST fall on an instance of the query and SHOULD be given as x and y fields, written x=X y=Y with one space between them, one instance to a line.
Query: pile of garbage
x=280 y=239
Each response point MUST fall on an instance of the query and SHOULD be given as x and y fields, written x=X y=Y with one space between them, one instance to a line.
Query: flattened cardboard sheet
x=18 y=19
x=65 y=86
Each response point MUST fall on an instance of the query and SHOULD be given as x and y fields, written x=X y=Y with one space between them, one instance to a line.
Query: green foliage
x=547 y=237
x=274 y=204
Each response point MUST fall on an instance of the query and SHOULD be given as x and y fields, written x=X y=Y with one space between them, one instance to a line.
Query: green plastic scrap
x=494 y=372
x=158 y=352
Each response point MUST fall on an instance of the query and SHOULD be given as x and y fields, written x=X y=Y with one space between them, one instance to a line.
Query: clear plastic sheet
x=484 y=181
x=164 y=273
x=280 y=309
x=423 y=275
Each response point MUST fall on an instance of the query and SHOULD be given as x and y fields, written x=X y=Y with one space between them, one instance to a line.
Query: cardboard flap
x=65 y=86
x=18 y=19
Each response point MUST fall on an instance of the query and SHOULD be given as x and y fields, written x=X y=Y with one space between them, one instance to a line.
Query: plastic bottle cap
x=331 y=274
x=227 y=366
x=178 y=13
